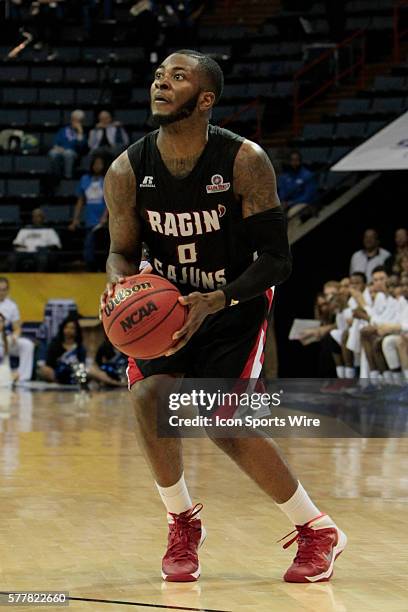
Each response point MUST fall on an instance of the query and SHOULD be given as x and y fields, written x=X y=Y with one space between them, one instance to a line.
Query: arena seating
x=38 y=95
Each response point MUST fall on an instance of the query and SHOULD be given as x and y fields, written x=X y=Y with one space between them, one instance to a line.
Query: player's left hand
x=199 y=305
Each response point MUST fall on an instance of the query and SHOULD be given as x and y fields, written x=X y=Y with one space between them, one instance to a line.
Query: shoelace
x=180 y=533
x=304 y=537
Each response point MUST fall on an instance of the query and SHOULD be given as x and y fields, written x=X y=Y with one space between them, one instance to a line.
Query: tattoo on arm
x=254 y=180
x=124 y=223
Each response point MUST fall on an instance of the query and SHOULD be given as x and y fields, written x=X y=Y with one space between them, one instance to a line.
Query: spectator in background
x=90 y=196
x=66 y=358
x=34 y=246
x=47 y=16
x=108 y=135
x=393 y=263
x=5 y=372
x=296 y=186
x=370 y=256
x=70 y=143
x=18 y=346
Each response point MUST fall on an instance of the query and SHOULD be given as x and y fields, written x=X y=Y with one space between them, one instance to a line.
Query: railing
x=331 y=55
x=259 y=110
x=399 y=32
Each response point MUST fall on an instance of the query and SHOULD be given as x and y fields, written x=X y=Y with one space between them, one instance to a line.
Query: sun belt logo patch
x=217 y=184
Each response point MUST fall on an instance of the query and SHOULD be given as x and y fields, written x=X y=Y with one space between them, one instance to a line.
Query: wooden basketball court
x=79 y=513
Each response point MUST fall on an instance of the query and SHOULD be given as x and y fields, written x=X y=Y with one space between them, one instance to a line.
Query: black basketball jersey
x=193 y=226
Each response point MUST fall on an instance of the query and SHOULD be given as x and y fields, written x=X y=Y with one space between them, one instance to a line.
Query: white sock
x=176 y=498
x=387 y=375
x=375 y=375
x=340 y=371
x=300 y=509
x=396 y=378
x=349 y=372
x=406 y=375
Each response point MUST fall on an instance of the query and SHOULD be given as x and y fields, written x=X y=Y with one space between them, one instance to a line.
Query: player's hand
x=107 y=294
x=199 y=305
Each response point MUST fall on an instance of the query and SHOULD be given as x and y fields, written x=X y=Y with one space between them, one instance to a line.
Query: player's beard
x=185 y=111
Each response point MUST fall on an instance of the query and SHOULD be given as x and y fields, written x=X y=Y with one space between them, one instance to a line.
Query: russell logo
x=147 y=182
x=217 y=184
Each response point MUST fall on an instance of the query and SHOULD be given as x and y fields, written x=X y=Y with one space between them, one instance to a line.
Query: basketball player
x=204 y=200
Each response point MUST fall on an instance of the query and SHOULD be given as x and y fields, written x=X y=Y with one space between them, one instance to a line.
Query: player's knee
x=228 y=445
x=144 y=399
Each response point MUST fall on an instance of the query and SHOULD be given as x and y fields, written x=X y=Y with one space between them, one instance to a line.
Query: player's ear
x=206 y=100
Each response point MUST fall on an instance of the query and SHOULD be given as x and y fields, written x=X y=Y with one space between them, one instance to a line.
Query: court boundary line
x=134 y=603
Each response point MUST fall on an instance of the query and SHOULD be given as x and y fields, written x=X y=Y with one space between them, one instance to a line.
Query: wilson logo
x=138 y=315
x=123 y=294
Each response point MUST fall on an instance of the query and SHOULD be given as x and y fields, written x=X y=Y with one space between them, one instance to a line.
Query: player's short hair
x=210 y=69
x=379 y=269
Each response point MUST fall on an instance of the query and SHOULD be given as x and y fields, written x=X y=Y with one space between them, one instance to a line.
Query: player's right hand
x=107 y=294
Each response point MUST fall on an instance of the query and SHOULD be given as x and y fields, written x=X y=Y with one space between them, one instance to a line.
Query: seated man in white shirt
x=370 y=256
x=34 y=245
x=384 y=311
x=394 y=341
x=18 y=346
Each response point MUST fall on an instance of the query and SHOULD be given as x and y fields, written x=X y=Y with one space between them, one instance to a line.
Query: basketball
x=142 y=316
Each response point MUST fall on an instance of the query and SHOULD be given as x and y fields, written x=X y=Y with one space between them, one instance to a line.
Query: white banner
x=386 y=150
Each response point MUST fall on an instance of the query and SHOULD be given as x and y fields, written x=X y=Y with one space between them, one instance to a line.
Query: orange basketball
x=142 y=316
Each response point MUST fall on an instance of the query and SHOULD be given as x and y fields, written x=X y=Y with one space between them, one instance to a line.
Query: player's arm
x=265 y=225
x=124 y=225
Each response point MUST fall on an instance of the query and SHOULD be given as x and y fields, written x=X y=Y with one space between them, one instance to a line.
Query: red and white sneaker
x=186 y=534
x=318 y=548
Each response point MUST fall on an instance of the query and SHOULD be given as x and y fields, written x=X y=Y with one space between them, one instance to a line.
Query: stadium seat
x=56 y=96
x=244 y=69
x=315 y=155
x=94 y=96
x=45 y=117
x=129 y=54
x=57 y=214
x=353 y=106
x=121 y=75
x=29 y=188
x=47 y=140
x=269 y=29
x=32 y=164
x=14 y=74
x=19 y=95
x=47 y=74
x=389 y=83
x=3 y=188
x=238 y=90
x=372 y=127
x=6 y=164
x=9 y=214
x=350 y=131
x=357 y=23
x=99 y=55
x=11 y=118
x=337 y=153
x=220 y=50
x=261 y=89
x=69 y=54
x=131 y=116
x=387 y=106
x=83 y=74
x=318 y=131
